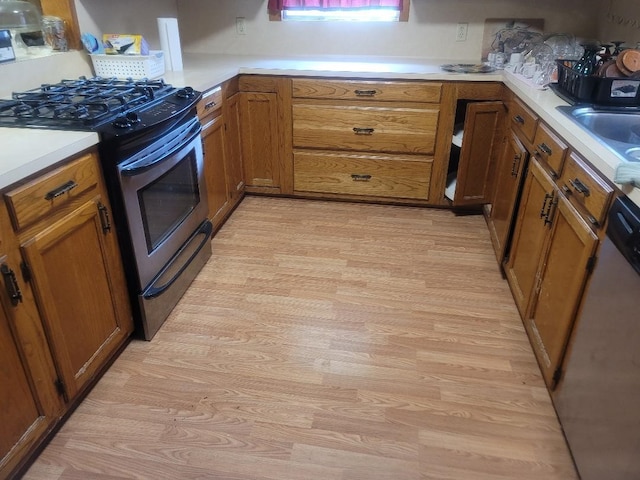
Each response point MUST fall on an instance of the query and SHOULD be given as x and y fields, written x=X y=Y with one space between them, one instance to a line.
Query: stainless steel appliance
x=151 y=155
x=598 y=398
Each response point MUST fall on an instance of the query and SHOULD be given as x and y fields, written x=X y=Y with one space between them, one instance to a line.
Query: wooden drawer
x=586 y=189
x=367 y=90
x=210 y=102
x=550 y=149
x=523 y=119
x=365 y=128
x=47 y=193
x=398 y=176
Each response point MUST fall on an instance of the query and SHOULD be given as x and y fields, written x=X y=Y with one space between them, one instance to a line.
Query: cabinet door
x=482 y=139
x=259 y=121
x=214 y=167
x=532 y=227
x=21 y=416
x=561 y=282
x=509 y=175
x=233 y=148
x=79 y=287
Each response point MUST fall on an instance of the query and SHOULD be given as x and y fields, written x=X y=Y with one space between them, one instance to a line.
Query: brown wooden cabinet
x=29 y=403
x=560 y=282
x=370 y=139
x=264 y=113
x=219 y=116
x=233 y=146
x=215 y=167
x=472 y=118
x=549 y=264
x=509 y=176
x=483 y=131
x=74 y=313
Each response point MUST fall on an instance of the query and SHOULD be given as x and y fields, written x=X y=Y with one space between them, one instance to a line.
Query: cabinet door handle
x=516 y=164
x=518 y=119
x=11 y=284
x=356 y=177
x=104 y=218
x=551 y=211
x=580 y=187
x=61 y=190
x=545 y=148
x=365 y=93
x=544 y=210
x=363 y=131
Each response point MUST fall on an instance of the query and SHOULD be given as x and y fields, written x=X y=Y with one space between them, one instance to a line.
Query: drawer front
x=523 y=119
x=210 y=102
x=586 y=189
x=45 y=194
x=373 y=175
x=429 y=92
x=550 y=149
x=367 y=129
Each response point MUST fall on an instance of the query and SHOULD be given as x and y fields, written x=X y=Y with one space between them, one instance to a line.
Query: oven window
x=167 y=201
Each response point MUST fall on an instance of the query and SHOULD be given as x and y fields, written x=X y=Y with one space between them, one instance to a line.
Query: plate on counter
x=467 y=68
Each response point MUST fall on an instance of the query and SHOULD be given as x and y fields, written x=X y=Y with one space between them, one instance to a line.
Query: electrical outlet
x=241 y=26
x=461 y=32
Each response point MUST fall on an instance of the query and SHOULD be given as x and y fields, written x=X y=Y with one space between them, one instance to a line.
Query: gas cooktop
x=95 y=104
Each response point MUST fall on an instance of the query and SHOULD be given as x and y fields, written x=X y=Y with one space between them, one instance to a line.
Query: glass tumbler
x=54 y=33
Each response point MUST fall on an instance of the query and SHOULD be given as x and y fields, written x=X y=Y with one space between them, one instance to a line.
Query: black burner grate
x=83 y=103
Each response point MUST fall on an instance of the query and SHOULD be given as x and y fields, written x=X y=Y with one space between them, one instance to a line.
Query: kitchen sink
x=618 y=130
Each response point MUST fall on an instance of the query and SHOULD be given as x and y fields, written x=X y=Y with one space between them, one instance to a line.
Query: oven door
x=164 y=196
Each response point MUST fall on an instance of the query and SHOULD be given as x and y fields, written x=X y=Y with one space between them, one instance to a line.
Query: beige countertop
x=26 y=151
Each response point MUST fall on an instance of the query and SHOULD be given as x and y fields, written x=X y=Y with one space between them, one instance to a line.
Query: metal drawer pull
x=518 y=119
x=363 y=131
x=209 y=105
x=580 y=187
x=61 y=190
x=365 y=93
x=515 y=165
x=360 y=178
x=545 y=148
x=11 y=284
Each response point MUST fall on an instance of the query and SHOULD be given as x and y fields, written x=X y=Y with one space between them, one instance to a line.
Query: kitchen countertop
x=26 y=151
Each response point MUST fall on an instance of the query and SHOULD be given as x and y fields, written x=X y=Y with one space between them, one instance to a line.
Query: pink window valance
x=279 y=5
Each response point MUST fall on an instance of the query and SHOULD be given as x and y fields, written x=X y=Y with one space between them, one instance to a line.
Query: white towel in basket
x=628 y=172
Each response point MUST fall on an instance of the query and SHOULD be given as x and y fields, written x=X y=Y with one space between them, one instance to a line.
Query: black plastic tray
x=578 y=88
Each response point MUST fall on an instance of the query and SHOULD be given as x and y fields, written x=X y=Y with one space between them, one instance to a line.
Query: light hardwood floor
x=333 y=341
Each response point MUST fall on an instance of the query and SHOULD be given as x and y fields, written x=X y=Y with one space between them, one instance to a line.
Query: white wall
x=124 y=16
x=620 y=20
x=209 y=26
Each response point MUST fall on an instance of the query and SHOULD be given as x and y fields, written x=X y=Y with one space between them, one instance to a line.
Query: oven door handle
x=206 y=229
x=153 y=159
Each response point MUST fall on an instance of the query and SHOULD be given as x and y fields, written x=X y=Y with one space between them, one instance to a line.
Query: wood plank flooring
x=333 y=341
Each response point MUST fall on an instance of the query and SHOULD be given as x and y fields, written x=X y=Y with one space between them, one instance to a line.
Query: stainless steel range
x=151 y=155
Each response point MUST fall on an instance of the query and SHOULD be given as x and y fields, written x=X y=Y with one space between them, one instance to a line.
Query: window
x=339 y=10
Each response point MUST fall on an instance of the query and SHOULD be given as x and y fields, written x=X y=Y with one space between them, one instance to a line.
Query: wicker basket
x=577 y=88
x=129 y=66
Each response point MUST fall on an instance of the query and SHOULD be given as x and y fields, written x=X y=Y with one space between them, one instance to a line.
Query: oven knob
x=133 y=117
x=122 y=122
x=186 y=92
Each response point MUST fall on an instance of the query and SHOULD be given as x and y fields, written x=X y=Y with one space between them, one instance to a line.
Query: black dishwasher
x=598 y=398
